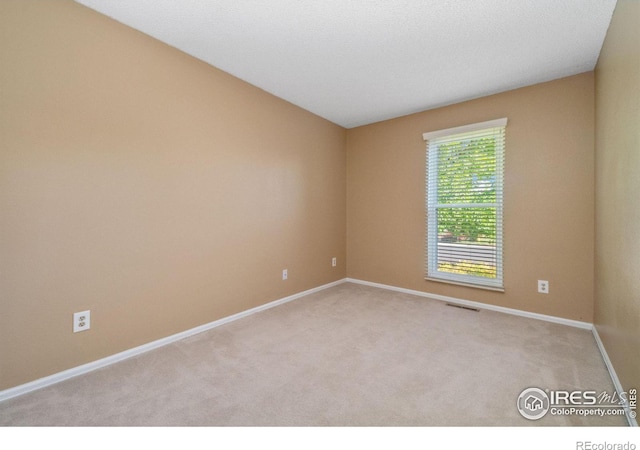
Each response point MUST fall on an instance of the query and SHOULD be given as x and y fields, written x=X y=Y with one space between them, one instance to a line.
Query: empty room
x=337 y=213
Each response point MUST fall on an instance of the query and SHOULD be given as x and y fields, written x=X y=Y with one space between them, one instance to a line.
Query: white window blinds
x=464 y=204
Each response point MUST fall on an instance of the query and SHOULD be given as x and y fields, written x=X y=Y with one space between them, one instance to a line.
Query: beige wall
x=148 y=187
x=617 y=305
x=549 y=205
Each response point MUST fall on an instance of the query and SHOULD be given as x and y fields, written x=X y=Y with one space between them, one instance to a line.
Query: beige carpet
x=349 y=355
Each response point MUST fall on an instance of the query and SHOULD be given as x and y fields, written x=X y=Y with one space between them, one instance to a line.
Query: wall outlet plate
x=543 y=286
x=285 y=274
x=334 y=261
x=81 y=321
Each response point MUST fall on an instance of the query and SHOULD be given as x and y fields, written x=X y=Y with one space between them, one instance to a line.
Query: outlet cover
x=81 y=321
x=543 y=286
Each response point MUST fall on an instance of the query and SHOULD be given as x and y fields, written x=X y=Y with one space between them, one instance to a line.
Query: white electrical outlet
x=81 y=321
x=543 y=286
x=284 y=274
x=333 y=262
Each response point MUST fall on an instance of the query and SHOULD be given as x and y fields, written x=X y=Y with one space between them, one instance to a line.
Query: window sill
x=471 y=285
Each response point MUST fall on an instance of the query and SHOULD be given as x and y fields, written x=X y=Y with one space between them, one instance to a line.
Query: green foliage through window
x=466 y=175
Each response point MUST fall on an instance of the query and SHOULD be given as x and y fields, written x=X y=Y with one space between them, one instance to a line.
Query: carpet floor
x=350 y=355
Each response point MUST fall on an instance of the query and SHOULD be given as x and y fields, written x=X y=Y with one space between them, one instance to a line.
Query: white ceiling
x=356 y=62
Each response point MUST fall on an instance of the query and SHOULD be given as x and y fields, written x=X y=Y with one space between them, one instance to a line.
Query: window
x=464 y=204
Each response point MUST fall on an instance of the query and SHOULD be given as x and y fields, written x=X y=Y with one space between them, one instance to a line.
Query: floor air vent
x=463 y=307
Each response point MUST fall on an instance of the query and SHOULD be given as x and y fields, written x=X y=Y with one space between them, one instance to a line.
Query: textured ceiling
x=355 y=62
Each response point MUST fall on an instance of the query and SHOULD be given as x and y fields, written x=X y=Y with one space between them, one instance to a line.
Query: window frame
x=431 y=193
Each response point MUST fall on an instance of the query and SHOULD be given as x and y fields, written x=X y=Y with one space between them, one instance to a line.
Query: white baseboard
x=89 y=367
x=94 y=365
x=614 y=377
x=478 y=305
